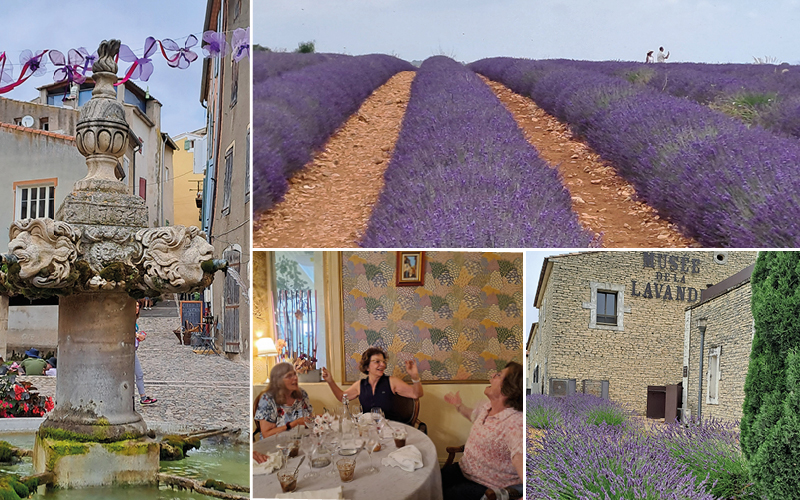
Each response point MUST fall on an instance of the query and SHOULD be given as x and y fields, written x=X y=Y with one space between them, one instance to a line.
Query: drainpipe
x=701 y=324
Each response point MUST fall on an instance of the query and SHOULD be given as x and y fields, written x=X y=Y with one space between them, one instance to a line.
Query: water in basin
x=221 y=461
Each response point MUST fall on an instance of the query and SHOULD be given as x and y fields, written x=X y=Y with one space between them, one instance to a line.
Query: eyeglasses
x=290 y=375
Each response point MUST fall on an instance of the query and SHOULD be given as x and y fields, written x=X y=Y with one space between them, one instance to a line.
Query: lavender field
x=297 y=110
x=463 y=175
x=590 y=448
x=724 y=183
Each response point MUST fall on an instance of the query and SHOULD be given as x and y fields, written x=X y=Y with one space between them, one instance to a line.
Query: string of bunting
x=75 y=66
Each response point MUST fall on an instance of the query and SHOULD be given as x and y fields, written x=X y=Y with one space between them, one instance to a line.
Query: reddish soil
x=330 y=200
x=603 y=200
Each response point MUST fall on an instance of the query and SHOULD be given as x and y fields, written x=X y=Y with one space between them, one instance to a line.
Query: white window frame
x=28 y=186
x=592 y=305
x=713 y=375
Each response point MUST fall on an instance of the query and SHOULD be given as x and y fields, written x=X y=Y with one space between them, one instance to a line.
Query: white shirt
x=662 y=57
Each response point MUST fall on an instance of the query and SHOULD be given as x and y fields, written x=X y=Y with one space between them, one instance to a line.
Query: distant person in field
x=662 y=57
x=649 y=58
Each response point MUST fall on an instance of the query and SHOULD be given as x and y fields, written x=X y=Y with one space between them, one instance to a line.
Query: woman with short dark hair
x=283 y=405
x=376 y=389
x=494 y=453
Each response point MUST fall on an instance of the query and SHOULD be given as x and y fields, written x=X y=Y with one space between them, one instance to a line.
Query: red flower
x=18 y=390
x=48 y=404
x=25 y=407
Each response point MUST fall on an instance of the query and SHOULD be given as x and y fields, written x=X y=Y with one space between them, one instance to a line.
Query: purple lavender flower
x=36 y=64
x=463 y=175
x=216 y=46
x=241 y=43
x=184 y=56
x=724 y=184
x=296 y=112
x=142 y=67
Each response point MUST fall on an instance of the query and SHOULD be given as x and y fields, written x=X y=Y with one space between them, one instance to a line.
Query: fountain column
x=98 y=257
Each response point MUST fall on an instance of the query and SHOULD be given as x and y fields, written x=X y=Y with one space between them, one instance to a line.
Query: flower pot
x=311 y=376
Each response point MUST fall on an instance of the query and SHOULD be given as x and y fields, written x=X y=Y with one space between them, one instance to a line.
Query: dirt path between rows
x=330 y=200
x=602 y=199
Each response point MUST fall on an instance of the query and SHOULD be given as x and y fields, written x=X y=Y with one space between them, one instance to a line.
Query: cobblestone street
x=194 y=391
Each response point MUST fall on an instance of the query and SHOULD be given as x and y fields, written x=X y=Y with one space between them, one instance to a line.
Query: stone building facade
x=726 y=345
x=613 y=322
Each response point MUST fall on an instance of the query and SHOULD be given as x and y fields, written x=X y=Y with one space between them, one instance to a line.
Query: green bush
x=605 y=414
x=306 y=48
x=770 y=430
x=543 y=417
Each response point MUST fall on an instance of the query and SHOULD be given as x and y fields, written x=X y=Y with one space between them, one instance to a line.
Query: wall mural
x=464 y=323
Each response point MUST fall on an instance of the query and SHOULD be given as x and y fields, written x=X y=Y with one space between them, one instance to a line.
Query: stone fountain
x=98 y=256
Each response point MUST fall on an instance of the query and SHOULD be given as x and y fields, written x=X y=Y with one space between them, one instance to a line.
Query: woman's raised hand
x=454 y=398
x=412 y=369
x=326 y=375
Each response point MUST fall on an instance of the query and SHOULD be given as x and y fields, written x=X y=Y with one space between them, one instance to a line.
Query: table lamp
x=265 y=347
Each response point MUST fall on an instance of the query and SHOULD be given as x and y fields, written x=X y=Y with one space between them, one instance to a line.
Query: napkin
x=407 y=458
x=272 y=463
x=333 y=493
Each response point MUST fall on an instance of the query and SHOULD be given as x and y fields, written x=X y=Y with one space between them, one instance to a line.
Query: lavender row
x=296 y=112
x=724 y=184
x=463 y=175
x=267 y=64
x=758 y=94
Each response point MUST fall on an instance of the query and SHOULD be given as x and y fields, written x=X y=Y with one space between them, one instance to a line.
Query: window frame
x=49 y=184
x=621 y=309
x=713 y=375
x=227 y=180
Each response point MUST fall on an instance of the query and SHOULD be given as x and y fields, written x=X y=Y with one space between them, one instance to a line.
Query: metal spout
x=213 y=265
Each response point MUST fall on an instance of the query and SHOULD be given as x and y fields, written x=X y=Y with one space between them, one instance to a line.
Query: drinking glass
x=284 y=445
x=373 y=441
x=334 y=440
x=307 y=445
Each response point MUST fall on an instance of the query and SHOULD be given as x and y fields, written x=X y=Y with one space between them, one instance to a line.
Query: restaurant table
x=391 y=483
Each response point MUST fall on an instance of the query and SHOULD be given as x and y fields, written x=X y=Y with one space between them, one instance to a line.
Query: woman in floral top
x=283 y=405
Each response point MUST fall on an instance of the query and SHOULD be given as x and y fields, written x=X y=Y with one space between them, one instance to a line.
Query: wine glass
x=372 y=442
x=379 y=418
x=307 y=442
x=355 y=409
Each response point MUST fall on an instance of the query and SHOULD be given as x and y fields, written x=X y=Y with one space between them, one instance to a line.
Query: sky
x=39 y=24
x=721 y=31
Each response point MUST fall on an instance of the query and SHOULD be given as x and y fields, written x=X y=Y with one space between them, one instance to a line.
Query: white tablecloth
x=391 y=483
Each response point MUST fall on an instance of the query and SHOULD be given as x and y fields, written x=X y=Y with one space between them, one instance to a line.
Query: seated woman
x=283 y=405
x=494 y=453
x=376 y=389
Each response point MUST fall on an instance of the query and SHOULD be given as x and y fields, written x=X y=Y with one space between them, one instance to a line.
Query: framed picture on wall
x=410 y=270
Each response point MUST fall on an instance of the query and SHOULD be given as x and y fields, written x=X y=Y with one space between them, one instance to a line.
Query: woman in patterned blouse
x=283 y=405
x=494 y=453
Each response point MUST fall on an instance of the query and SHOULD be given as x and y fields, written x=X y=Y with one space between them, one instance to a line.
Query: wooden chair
x=406 y=410
x=513 y=493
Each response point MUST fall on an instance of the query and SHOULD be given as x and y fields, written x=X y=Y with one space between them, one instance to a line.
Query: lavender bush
x=580 y=459
x=724 y=184
x=267 y=64
x=463 y=175
x=295 y=112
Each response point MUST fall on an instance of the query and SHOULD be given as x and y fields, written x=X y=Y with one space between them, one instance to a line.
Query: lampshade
x=266 y=347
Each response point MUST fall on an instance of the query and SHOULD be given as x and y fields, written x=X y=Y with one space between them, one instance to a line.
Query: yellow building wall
x=446 y=427
x=184 y=187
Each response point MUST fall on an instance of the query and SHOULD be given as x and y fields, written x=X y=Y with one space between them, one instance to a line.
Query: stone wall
x=646 y=346
x=730 y=327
